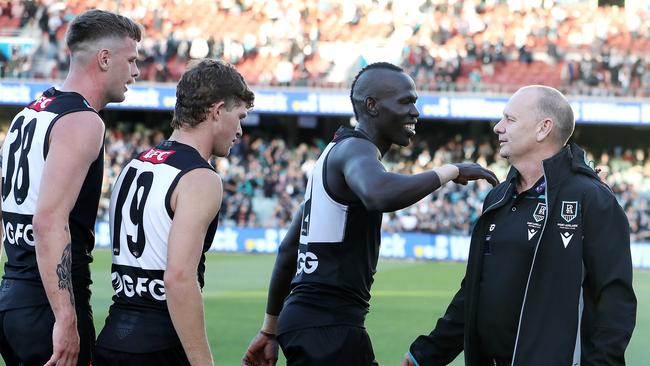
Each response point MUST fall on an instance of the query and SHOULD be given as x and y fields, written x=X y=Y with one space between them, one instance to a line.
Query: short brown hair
x=99 y=24
x=204 y=83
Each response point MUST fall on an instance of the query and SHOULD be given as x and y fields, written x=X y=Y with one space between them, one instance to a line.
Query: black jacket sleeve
x=445 y=341
x=610 y=304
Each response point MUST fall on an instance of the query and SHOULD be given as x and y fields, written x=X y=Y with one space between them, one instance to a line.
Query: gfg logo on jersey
x=307 y=262
x=19 y=234
x=142 y=286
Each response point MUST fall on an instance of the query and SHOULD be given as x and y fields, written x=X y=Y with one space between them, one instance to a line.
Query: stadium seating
x=601 y=51
x=463 y=47
x=264 y=181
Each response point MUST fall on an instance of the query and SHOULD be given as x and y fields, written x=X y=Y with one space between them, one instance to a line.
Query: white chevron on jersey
x=324 y=217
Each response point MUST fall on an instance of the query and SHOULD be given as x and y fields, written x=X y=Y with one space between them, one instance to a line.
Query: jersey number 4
x=136 y=210
x=23 y=142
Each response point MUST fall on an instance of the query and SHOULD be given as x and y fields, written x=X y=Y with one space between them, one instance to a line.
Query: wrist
x=65 y=317
x=447 y=173
x=268 y=335
x=270 y=325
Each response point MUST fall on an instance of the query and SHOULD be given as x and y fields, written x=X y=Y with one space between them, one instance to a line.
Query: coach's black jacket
x=584 y=286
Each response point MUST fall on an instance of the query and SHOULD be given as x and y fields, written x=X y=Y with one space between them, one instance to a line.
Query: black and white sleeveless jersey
x=337 y=257
x=140 y=221
x=23 y=158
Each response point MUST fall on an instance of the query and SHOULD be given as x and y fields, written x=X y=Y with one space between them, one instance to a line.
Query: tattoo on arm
x=64 y=271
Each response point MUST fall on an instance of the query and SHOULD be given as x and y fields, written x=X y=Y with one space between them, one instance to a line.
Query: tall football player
x=52 y=167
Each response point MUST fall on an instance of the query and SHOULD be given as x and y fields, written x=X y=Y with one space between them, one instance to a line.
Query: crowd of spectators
x=595 y=51
x=264 y=180
x=450 y=45
x=445 y=45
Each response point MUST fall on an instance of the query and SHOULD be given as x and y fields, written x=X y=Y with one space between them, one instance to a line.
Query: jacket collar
x=570 y=160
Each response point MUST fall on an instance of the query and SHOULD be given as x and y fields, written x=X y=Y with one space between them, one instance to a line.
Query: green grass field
x=407 y=299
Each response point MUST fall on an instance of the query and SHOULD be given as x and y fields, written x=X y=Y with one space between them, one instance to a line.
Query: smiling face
x=122 y=70
x=394 y=103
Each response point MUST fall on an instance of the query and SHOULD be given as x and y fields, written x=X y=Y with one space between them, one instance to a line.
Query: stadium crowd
x=445 y=45
x=264 y=180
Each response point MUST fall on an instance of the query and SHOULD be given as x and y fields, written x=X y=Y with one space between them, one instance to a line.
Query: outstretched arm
x=75 y=142
x=383 y=191
x=263 y=349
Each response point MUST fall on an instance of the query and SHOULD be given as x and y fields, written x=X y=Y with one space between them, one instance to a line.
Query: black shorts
x=26 y=335
x=326 y=346
x=167 y=357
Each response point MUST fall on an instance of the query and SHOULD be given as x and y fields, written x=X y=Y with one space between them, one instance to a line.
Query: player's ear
x=217 y=108
x=103 y=57
x=544 y=129
x=371 y=106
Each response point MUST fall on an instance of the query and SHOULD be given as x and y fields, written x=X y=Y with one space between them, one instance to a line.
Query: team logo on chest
x=538 y=215
x=540 y=212
x=569 y=210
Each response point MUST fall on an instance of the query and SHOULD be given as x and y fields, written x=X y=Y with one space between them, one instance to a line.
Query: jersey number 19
x=136 y=210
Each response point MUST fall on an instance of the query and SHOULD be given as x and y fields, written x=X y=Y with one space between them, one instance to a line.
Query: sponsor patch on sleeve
x=156 y=156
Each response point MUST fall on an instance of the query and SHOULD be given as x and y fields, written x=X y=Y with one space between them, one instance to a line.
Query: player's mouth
x=410 y=128
x=126 y=85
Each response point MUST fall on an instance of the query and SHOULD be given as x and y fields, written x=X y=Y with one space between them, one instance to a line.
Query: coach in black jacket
x=552 y=244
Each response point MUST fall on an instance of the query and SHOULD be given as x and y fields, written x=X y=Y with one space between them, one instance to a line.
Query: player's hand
x=406 y=361
x=262 y=351
x=65 y=341
x=473 y=171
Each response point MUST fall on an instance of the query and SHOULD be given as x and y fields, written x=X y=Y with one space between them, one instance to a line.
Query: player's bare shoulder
x=202 y=180
x=353 y=149
x=84 y=128
x=202 y=187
